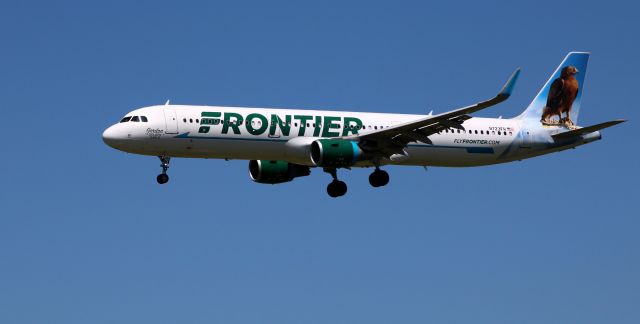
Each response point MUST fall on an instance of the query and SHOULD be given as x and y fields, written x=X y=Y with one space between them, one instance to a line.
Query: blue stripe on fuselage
x=481 y=150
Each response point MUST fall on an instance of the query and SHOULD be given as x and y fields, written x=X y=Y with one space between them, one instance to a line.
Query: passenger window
x=476 y=132
x=126 y=119
x=144 y=119
x=184 y=120
x=482 y=132
x=499 y=133
x=190 y=120
x=197 y=121
x=135 y=119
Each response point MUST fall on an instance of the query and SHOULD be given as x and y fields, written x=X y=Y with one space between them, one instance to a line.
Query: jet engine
x=335 y=153
x=272 y=172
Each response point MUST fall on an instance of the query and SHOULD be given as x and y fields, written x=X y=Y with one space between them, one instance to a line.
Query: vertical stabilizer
x=558 y=102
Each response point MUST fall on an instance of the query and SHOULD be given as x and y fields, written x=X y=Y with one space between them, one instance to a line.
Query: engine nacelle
x=272 y=172
x=335 y=153
x=298 y=150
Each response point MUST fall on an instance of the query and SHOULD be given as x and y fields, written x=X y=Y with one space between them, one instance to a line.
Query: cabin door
x=525 y=141
x=171 y=121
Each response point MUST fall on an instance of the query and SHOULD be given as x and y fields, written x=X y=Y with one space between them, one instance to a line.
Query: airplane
x=283 y=144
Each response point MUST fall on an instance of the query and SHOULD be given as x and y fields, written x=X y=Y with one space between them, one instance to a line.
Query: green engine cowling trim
x=335 y=153
x=272 y=172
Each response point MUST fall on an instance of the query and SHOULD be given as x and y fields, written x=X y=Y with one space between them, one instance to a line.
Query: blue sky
x=86 y=235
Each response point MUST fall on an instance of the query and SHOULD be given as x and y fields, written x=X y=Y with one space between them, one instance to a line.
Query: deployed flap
x=586 y=130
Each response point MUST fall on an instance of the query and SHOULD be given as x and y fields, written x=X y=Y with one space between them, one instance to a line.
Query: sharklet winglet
x=507 y=89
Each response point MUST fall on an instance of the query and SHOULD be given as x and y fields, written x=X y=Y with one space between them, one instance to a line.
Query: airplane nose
x=110 y=136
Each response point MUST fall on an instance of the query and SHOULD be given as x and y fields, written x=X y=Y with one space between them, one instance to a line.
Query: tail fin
x=561 y=95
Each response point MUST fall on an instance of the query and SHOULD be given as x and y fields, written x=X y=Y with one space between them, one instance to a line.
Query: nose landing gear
x=336 y=188
x=163 y=177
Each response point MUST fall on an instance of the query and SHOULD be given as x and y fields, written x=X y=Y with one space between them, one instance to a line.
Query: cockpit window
x=126 y=119
x=143 y=118
x=135 y=119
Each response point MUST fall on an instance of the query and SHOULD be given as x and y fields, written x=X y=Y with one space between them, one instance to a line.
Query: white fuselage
x=267 y=134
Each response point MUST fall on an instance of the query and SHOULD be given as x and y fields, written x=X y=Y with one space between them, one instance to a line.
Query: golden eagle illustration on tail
x=562 y=94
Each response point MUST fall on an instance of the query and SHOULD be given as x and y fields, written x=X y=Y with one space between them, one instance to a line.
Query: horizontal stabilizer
x=586 y=130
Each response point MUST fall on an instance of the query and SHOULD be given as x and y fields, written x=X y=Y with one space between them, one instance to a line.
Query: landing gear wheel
x=337 y=188
x=379 y=178
x=162 y=178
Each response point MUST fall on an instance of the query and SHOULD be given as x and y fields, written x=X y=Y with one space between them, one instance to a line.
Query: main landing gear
x=378 y=178
x=163 y=178
x=336 y=188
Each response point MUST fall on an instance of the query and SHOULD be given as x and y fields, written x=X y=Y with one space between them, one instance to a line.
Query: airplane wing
x=394 y=139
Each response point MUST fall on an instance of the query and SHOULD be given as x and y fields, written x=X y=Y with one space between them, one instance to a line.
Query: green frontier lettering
x=303 y=123
x=351 y=125
x=263 y=124
x=328 y=124
x=316 y=126
x=257 y=124
x=208 y=121
x=234 y=124
x=285 y=127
